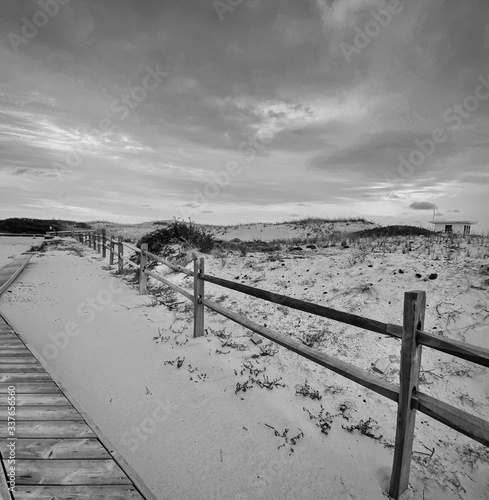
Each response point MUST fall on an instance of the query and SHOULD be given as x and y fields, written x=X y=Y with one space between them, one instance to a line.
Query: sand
x=186 y=430
x=11 y=246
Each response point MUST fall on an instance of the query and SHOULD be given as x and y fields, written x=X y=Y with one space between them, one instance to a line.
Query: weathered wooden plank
x=49 y=429
x=77 y=492
x=169 y=264
x=198 y=296
x=11 y=346
x=120 y=253
x=42 y=413
x=171 y=285
x=69 y=472
x=129 y=262
x=7 y=331
x=5 y=494
x=347 y=370
x=30 y=388
x=13 y=269
x=413 y=319
x=14 y=351
x=462 y=350
x=458 y=349
x=61 y=449
x=24 y=377
x=463 y=422
x=20 y=359
x=21 y=367
x=301 y=305
x=37 y=399
x=11 y=343
x=143 y=278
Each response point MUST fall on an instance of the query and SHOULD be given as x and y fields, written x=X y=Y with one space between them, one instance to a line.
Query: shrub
x=378 y=232
x=181 y=233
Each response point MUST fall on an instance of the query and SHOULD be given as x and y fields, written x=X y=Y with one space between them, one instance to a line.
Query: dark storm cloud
x=422 y=205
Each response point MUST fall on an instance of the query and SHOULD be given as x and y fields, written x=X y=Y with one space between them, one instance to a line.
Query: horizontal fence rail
x=462 y=350
x=411 y=333
x=347 y=370
x=300 y=305
x=473 y=427
x=24 y=235
x=171 y=285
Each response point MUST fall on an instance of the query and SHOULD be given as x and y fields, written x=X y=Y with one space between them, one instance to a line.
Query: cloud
x=422 y=205
x=336 y=128
x=455 y=211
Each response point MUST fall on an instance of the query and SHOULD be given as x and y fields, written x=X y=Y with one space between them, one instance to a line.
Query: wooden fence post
x=198 y=296
x=94 y=241
x=98 y=243
x=143 y=278
x=413 y=319
x=111 y=251
x=120 y=253
x=104 y=243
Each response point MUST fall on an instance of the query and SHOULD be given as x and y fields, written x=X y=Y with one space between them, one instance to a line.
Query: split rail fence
x=412 y=335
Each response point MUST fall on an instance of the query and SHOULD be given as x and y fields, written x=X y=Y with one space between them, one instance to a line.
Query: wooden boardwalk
x=56 y=453
x=9 y=272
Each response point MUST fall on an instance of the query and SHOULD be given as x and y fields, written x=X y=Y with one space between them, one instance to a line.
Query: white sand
x=269 y=232
x=187 y=433
x=11 y=246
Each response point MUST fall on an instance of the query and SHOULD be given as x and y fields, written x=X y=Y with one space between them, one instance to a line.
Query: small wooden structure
x=461 y=227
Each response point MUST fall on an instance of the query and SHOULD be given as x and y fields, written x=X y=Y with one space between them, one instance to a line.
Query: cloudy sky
x=245 y=110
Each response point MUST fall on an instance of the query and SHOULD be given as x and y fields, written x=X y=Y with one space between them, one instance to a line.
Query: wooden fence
x=413 y=337
x=37 y=235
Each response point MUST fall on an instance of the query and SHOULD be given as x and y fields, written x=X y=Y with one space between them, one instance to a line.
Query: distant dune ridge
x=301 y=228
